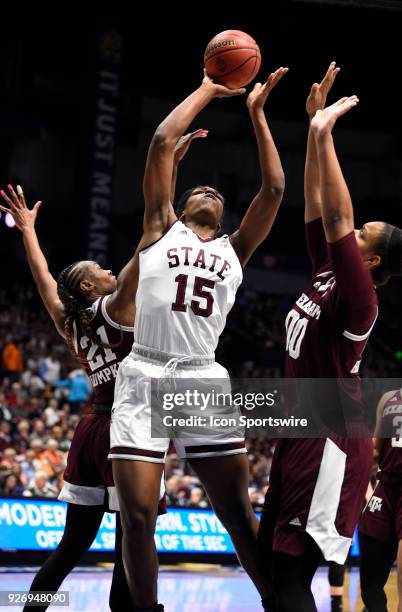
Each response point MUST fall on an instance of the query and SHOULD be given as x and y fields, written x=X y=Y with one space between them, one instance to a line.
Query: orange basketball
x=232 y=58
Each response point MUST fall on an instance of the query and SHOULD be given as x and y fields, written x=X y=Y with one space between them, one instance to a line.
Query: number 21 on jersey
x=99 y=360
x=295 y=330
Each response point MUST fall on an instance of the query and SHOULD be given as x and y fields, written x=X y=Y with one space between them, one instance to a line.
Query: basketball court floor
x=187 y=588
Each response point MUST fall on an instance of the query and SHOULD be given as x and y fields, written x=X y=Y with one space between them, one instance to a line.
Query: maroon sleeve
x=356 y=296
x=316 y=244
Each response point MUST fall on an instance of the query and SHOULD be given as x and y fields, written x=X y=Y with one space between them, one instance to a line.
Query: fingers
x=37 y=206
x=235 y=92
x=347 y=104
x=6 y=210
x=276 y=76
x=14 y=196
x=7 y=199
x=199 y=134
x=21 y=195
x=329 y=77
x=340 y=101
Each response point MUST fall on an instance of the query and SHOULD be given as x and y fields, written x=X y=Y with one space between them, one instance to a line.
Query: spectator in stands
x=5 y=435
x=5 y=414
x=197 y=499
x=50 y=368
x=9 y=458
x=22 y=439
x=40 y=487
x=12 y=359
x=11 y=486
x=53 y=460
x=30 y=465
x=51 y=414
x=172 y=489
x=80 y=390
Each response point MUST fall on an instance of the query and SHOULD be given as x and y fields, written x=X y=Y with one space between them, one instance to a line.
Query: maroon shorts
x=382 y=517
x=317 y=486
x=88 y=478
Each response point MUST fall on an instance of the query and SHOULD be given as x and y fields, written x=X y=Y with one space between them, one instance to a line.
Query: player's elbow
x=275 y=188
x=162 y=140
x=336 y=217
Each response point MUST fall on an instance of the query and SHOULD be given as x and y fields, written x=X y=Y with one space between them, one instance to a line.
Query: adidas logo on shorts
x=375 y=504
x=296 y=522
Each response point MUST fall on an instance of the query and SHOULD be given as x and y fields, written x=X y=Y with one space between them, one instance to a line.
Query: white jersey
x=187 y=286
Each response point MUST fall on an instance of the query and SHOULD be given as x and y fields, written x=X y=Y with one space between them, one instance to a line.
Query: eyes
x=208 y=190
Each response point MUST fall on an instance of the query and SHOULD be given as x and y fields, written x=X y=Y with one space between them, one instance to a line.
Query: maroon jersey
x=328 y=327
x=390 y=461
x=101 y=363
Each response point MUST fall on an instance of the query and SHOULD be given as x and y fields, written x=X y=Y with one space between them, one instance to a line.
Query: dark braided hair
x=76 y=306
x=389 y=247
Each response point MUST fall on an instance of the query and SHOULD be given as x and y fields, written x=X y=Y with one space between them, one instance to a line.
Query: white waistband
x=185 y=361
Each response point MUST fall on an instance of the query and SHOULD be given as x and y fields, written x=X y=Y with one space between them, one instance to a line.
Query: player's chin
x=113 y=285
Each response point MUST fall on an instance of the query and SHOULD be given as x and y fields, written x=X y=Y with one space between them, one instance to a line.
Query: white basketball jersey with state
x=187 y=286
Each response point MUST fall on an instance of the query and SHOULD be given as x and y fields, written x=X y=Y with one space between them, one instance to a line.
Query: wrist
x=256 y=110
x=28 y=229
x=207 y=91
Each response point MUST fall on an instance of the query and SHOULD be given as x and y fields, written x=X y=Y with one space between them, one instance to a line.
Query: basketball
x=232 y=58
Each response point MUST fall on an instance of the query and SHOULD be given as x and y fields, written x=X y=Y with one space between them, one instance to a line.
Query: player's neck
x=203 y=231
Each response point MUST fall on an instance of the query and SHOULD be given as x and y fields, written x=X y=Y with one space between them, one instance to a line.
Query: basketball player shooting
x=187 y=285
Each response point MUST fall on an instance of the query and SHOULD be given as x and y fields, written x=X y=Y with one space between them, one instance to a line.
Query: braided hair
x=76 y=306
x=389 y=247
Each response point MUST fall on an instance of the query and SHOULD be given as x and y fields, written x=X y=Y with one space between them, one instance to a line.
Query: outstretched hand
x=183 y=144
x=324 y=120
x=220 y=91
x=23 y=216
x=319 y=91
x=258 y=96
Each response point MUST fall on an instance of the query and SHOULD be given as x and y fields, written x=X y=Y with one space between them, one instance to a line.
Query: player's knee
x=236 y=518
x=138 y=520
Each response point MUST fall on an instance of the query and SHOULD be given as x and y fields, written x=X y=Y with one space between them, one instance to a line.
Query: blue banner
x=27 y=524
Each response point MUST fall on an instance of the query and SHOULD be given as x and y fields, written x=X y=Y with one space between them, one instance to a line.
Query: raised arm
x=315 y=101
x=160 y=160
x=337 y=209
x=25 y=219
x=260 y=216
x=121 y=304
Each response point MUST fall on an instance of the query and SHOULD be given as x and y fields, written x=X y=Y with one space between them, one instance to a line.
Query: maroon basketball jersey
x=328 y=327
x=101 y=363
x=390 y=461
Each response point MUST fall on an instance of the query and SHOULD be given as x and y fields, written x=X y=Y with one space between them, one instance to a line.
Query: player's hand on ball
x=319 y=91
x=220 y=91
x=183 y=144
x=23 y=216
x=258 y=96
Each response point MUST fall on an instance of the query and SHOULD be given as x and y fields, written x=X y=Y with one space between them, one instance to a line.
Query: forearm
x=337 y=206
x=175 y=124
x=173 y=184
x=272 y=176
x=38 y=265
x=312 y=192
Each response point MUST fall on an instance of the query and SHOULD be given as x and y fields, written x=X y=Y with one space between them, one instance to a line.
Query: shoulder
x=103 y=313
